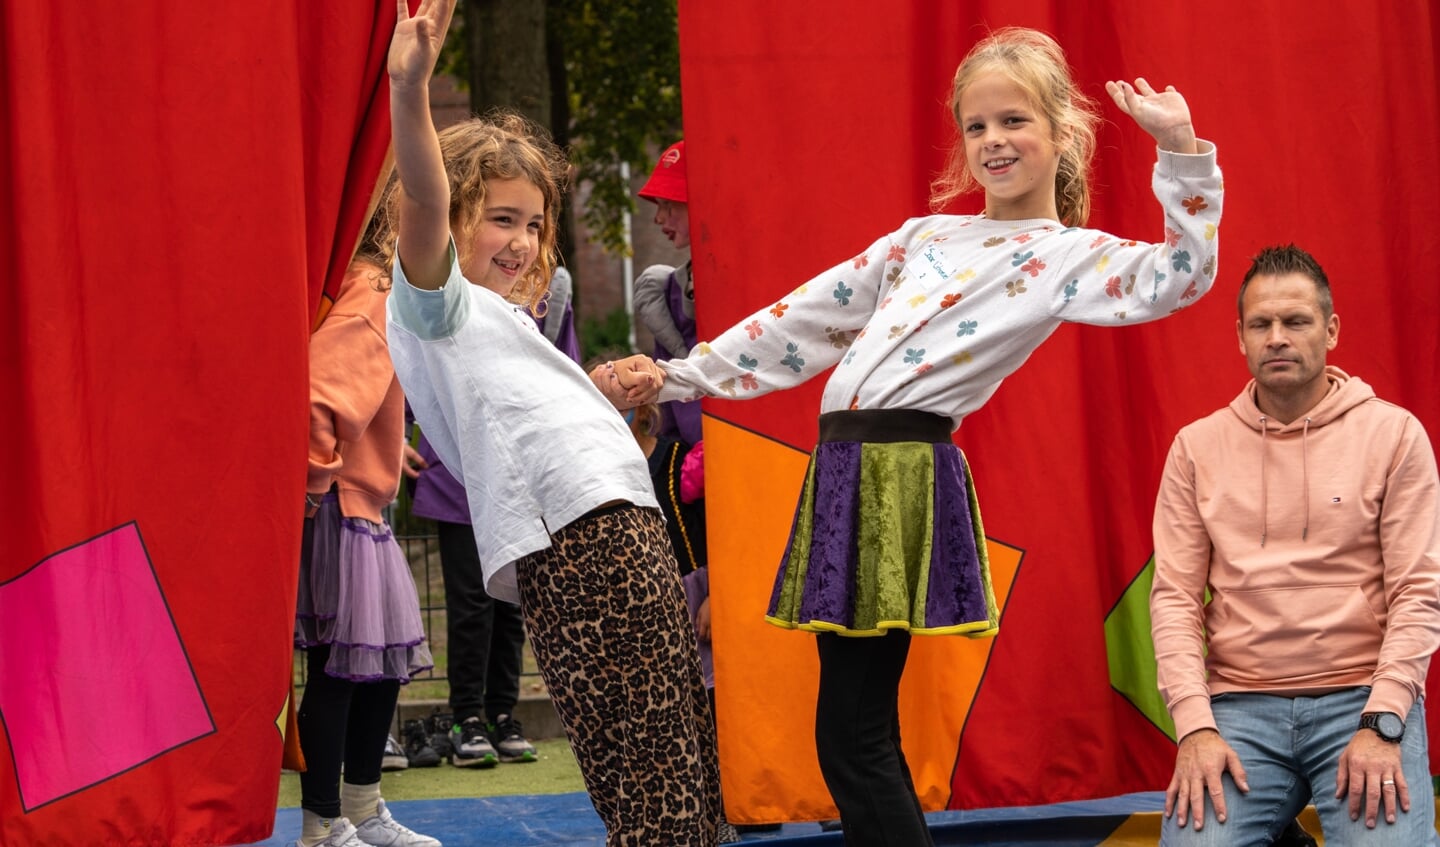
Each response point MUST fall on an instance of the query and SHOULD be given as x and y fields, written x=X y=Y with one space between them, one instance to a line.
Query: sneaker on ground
x=394 y=758
x=509 y=740
x=438 y=727
x=470 y=748
x=417 y=745
x=383 y=830
x=342 y=834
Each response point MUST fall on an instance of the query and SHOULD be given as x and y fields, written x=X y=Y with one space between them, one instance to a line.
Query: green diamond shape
x=1131 y=652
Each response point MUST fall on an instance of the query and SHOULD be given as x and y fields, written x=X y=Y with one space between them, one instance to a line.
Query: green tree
x=602 y=75
x=622 y=63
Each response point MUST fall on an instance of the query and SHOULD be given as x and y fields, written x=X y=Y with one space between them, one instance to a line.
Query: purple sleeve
x=568 y=342
x=438 y=494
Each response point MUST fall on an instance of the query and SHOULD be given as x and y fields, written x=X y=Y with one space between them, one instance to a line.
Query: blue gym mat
x=568 y=820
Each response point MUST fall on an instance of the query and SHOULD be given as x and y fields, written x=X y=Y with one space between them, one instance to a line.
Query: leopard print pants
x=605 y=613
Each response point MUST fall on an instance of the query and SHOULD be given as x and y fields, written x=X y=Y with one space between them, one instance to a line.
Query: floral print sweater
x=935 y=314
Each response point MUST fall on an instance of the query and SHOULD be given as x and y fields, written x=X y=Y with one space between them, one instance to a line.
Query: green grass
x=422 y=549
x=555 y=772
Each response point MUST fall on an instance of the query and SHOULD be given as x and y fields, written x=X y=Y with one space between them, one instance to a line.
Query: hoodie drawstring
x=1305 y=475
x=1305 y=479
x=1264 y=495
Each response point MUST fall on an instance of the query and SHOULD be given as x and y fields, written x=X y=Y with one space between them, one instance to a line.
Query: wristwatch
x=1388 y=725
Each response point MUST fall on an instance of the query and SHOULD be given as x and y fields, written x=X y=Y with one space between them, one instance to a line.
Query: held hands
x=1370 y=770
x=1163 y=114
x=629 y=382
x=417 y=40
x=1202 y=758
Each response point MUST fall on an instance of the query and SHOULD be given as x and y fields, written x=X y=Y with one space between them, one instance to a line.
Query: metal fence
x=418 y=540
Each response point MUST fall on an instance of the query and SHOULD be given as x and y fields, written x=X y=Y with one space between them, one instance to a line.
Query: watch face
x=1390 y=725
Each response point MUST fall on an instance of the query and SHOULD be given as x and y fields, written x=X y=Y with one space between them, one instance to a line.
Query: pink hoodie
x=1319 y=544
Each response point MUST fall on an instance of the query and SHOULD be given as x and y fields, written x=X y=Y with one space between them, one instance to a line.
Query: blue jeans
x=1290 y=748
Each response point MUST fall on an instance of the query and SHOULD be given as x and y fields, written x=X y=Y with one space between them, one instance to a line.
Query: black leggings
x=340 y=723
x=486 y=635
x=857 y=737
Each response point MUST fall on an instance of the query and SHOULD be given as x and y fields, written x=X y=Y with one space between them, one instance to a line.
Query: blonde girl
x=921 y=326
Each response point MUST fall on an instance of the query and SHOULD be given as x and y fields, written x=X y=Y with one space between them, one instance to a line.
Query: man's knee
x=1212 y=834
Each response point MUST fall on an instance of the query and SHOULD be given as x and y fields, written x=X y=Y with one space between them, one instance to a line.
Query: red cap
x=667 y=181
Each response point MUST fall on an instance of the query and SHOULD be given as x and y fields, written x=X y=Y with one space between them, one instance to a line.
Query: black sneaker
x=743 y=828
x=1294 y=836
x=437 y=726
x=509 y=740
x=394 y=758
x=470 y=746
x=417 y=745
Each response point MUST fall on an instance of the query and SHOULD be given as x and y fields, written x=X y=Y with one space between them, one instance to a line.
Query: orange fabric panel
x=773 y=672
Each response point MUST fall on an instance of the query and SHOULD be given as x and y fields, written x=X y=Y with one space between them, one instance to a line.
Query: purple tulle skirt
x=357 y=595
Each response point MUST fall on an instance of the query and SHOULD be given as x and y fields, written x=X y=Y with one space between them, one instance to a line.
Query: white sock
x=359 y=802
x=313 y=828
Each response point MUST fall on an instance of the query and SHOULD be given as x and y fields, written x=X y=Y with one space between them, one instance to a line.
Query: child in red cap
x=664 y=298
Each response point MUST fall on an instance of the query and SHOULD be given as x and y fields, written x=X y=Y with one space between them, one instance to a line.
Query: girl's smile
x=507 y=240
x=1009 y=148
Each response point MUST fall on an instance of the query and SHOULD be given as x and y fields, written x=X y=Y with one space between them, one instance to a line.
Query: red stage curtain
x=179 y=183
x=813 y=129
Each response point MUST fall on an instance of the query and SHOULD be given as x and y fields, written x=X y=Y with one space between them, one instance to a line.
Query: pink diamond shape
x=93 y=678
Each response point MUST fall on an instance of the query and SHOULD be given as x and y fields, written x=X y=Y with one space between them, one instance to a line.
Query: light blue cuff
x=430 y=315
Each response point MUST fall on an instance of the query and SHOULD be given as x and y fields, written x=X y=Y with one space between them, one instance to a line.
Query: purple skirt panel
x=887 y=535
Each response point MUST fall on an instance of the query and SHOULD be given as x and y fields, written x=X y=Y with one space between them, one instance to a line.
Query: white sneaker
x=383 y=830
x=342 y=834
x=394 y=758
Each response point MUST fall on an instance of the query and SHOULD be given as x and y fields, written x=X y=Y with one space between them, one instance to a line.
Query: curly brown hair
x=500 y=145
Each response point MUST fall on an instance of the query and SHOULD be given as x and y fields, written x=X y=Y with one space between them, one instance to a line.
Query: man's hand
x=1202 y=758
x=1370 y=769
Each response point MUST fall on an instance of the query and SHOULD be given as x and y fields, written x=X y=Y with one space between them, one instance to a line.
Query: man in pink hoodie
x=1307 y=513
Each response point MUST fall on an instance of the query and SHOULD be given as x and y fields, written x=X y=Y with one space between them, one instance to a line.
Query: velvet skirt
x=887 y=534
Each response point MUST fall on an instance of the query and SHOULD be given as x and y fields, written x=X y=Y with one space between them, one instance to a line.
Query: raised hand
x=1163 y=114
x=417 y=40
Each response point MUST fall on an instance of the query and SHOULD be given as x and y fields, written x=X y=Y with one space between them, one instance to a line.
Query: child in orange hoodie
x=358 y=616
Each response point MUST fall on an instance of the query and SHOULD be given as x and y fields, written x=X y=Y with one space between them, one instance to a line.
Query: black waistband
x=884 y=426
